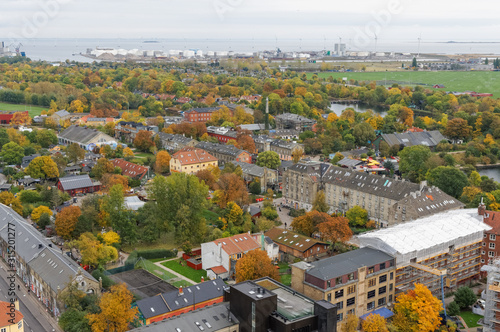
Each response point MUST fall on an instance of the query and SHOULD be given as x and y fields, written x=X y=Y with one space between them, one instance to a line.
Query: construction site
x=492 y=308
x=442 y=251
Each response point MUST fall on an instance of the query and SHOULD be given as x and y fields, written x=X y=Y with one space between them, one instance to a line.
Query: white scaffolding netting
x=427 y=237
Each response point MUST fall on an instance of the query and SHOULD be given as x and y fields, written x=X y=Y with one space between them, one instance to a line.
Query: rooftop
x=237 y=243
x=130 y=169
x=220 y=148
x=292 y=239
x=5 y=318
x=427 y=138
x=76 y=181
x=83 y=135
x=188 y=155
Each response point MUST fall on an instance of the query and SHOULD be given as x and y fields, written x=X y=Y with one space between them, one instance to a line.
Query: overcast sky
x=436 y=20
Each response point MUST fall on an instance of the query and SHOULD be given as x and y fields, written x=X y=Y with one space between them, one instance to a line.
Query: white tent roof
x=426 y=237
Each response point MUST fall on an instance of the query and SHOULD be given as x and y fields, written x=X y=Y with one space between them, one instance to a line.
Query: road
x=36 y=319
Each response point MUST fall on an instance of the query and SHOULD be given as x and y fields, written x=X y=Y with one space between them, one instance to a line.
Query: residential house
x=6 y=117
x=132 y=170
x=219 y=257
x=11 y=319
x=42 y=266
x=73 y=170
x=191 y=160
x=251 y=98
x=267 y=245
x=166 y=305
x=253 y=127
x=126 y=131
x=225 y=153
x=78 y=184
x=251 y=172
x=86 y=138
x=490 y=250
x=61 y=115
x=284 y=149
x=173 y=142
x=297 y=245
x=170 y=120
x=92 y=121
x=426 y=138
x=357 y=282
x=28 y=182
x=293 y=121
x=222 y=134
x=203 y=114
x=286 y=134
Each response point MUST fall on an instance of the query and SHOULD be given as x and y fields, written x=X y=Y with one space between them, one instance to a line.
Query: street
x=35 y=317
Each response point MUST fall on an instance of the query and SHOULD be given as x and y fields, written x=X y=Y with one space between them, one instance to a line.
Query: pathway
x=173 y=272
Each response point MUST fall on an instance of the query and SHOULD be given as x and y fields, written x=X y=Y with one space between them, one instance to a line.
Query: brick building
x=297 y=245
x=491 y=238
x=78 y=184
x=203 y=114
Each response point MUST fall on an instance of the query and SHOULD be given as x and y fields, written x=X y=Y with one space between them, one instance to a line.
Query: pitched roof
x=349 y=262
x=238 y=244
x=294 y=117
x=62 y=113
x=76 y=181
x=427 y=138
x=230 y=150
x=291 y=239
x=202 y=109
x=250 y=169
x=177 y=139
x=188 y=155
x=130 y=169
x=492 y=218
x=5 y=318
x=83 y=135
x=218 y=269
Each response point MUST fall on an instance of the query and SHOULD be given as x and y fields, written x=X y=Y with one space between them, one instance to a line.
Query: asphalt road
x=35 y=317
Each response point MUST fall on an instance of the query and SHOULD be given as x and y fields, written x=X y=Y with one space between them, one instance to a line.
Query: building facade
x=78 y=184
x=86 y=138
x=292 y=244
x=293 y=121
x=11 y=319
x=191 y=160
x=200 y=114
x=173 y=142
x=490 y=250
x=225 y=153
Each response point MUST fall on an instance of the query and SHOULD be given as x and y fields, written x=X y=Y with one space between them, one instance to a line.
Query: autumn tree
x=162 y=164
x=263 y=224
x=128 y=153
x=12 y=153
x=308 y=223
x=37 y=212
x=110 y=238
x=297 y=154
x=42 y=167
x=350 y=323
x=17 y=137
x=109 y=180
x=8 y=199
x=144 y=140
x=207 y=176
x=20 y=118
x=231 y=187
x=357 y=216
x=417 y=310
x=269 y=159
x=319 y=202
x=458 y=128
x=246 y=142
x=335 y=229
x=116 y=311
x=102 y=167
x=255 y=264
x=94 y=252
x=374 y=323
x=74 y=153
x=66 y=221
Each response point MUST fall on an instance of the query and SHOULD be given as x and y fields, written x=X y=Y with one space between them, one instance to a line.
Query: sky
x=359 y=21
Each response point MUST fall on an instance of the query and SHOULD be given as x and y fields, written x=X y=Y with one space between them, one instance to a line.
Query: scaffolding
x=492 y=309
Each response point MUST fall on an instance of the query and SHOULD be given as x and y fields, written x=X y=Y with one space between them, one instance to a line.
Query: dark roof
x=81 y=134
x=314 y=169
x=250 y=169
x=350 y=162
x=427 y=138
x=28 y=159
x=349 y=262
x=291 y=239
x=171 y=301
x=76 y=182
x=177 y=139
x=230 y=150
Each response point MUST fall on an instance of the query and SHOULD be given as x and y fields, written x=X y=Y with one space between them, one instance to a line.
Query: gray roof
x=253 y=126
x=346 y=263
x=82 y=135
x=314 y=169
x=62 y=113
x=177 y=139
x=284 y=144
x=250 y=169
x=203 y=109
x=294 y=117
x=427 y=138
x=349 y=162
x=214 y=316
x=230 y=150
x=76 y=182
x=154 y=306
x=28 y=159
x=355 y=152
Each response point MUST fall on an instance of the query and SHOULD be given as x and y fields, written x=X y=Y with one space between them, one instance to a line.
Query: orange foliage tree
x=207 y=176
x=143 y=140
x=246 y=142
x=308 y=223
x=255 y=264
x=374 y=323
x=162 y=164
x=417 y=310
x=231 y=187
x=109 y=180
x=66 y=221
x=20 y=118
x=116 y=312
x=335 y=229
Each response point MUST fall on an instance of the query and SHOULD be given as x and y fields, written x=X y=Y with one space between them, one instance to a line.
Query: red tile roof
x=218 y=269
x=130 y=169
x=5 y=318
x=189 y=155
x=238 y=244
x=492 y=218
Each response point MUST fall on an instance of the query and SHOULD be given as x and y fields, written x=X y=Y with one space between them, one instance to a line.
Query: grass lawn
x=143 y=155
x=32 y=110
x=470 y=318
x=154 y=260
x=166 y=241
x=479 y=81
x=185 y=270
x=286 y=279
x=210 y=216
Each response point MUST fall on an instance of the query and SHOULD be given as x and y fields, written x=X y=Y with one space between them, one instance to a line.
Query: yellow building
x=191 y=160
x=11 y=319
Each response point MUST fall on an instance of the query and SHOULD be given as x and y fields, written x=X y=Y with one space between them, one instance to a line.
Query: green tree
x=475 y=179
x=74 y=153
x=269 y=159
x=414 y=63
x=113 y=212
x=412 y=162
x=453 y=309
x=12 y=153
x=357 y=216
x=449 y=179
x=363 y=133
x=45 y=137
x=255 y=187
x=319 y=202
x=465 y=297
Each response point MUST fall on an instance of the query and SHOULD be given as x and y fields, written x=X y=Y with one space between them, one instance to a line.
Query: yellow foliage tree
x=76 y=106
x=332 y=117
x=350 y=324
x=111 y=237
x=162 y=164
x=94 y=253
x=128 y=153
x=16 y=137
x=417 y=310
x=8 y=199
x=37 y=212
x=470 y=192
x=20 y=118
x=374 y=323
x=255 y=264
x=116 y=312
x=66 y=221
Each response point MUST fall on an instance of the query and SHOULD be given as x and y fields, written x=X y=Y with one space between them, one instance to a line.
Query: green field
x=470 y=318
x=185 y=270
x=33 y=110
x=479 y=81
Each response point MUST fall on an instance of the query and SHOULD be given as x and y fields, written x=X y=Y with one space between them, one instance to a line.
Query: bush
x=154 y=253
x=453 y=309
x=465 y=297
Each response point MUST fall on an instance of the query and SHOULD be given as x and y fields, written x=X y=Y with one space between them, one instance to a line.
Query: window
x=382 y=290
x=339 y=293
x=340 y=305
x=328 y=284
x=340 y=317
x=482 y=260
x=493 y=237
x=491 y=254
x=390 y=287
x=372 y=282
x=350 y=301
x=370 y=305
x=19 y=325
x=382 y=278
x=390 y=298
x=329 y=297
x=483 y=252
x=3 y=330
x=371 y=294
x=371 y=269
x=492 y=245
x=392 y=275
x=484 y=243
x=351 y=276
x=381 y=301
x=351 y=312
x=351 y=289
x=382 y=266
x=338 y=281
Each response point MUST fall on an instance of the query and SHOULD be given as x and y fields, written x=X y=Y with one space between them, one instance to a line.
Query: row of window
x=493 y=237
x=491 y=245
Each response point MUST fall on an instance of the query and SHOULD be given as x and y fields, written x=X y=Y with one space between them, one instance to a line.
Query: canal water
x=493 y=173
x=338 y=108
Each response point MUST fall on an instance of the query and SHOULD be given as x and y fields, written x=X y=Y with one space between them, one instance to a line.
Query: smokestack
x=180 y=291
x=481 y=208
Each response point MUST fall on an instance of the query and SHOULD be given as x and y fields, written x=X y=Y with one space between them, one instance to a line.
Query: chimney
x=181 y=293
x=481 y=208
x=423 y=184
x=202 y=279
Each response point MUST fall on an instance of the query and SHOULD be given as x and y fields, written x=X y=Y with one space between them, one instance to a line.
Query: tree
x=144 y=140
x=449 y=179
x=465 y=297
x=308 y=223
x=350 y=323
x=453 y=309
x=93 y=252
x=110 y=238
x=66 y=221
x=335 y=229
x=269 y=159
x=374 y=323
x=255 y=264
x=45 y=137
x=297 y=155
x=162 y=164
x=12 y=153
x=319 y=203
x=17 y=137
x=413 y=160
x=231 y=187
x=458 y=128
x=102 y=167
x=42 y=167
x=207 y=176
x=263 y=224
x=20 y=118
x=246 y=142
x=417 y=310
x=37 y=212
x=8 y=199
x=128 y=153
x=357 y=216
x=255 y=187
x=109 y=180
x=44 y=221
x=475 y=179
x=74 y=152
x=116 y=312
x=414 y=63
x=363 y=133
